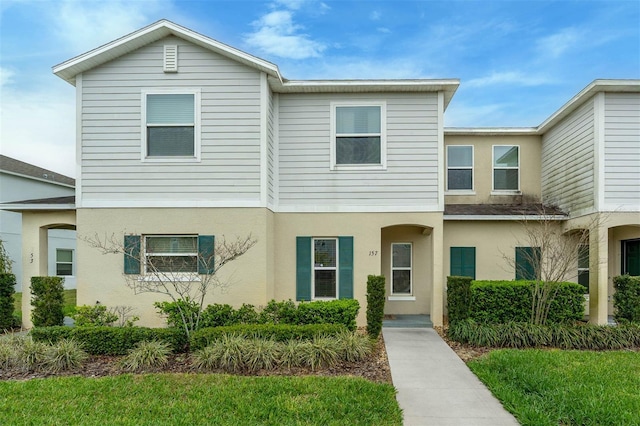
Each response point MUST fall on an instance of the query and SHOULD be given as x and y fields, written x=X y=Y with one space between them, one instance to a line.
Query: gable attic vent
x=171 y=58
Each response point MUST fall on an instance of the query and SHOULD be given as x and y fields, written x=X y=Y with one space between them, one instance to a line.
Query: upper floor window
x=506 y=168
x=358 y=139
x=171 y=126
x=459 y=167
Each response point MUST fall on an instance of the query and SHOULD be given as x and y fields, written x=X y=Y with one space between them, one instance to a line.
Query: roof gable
x=20 y=168
x=68 y=70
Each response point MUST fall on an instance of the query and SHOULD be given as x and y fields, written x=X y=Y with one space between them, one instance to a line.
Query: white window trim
x=401 y=296
x=493 y=169
x=470 y=191
x=66 y=263
x=180 y=276
x=383 y=137
x=324 y=268
x=196 y=125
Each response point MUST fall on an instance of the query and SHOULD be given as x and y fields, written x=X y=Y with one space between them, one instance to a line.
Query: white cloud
x=276 y=34
x=556 y=44
x=83 y=25
x=507 y=77
x=39 y=128
x=375 y=15
x=6 y=76
x=383 y=30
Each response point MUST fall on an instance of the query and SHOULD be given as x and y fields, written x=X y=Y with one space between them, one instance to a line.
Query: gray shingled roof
x=12 y=165
x=501 y=210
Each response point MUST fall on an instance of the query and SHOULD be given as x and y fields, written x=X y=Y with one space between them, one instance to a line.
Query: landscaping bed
x=374 y=368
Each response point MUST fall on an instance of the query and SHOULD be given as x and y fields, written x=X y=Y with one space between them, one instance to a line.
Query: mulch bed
x=375 y=368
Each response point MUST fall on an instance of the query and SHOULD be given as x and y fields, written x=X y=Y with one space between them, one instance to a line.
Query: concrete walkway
x=435 y=387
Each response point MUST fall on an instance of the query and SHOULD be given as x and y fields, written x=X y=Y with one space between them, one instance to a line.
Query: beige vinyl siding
x=230 y=129
x=568 y=161
x=622 y=151
x=410 y=181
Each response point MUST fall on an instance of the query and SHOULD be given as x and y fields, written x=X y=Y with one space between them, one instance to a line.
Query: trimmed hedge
x=111 y=340
x=277 y=332
x=375 y=304
x=344 y=311
x=505 y=301
x=563 y=336
x=458 y=298
x=7 y=290
x=626 y=299
x=47 y=301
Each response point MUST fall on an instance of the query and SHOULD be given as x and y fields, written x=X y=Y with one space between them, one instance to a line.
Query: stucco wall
x=100 y=277
x=530 y=154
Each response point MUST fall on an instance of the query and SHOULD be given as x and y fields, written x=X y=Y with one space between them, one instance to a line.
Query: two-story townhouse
x=21 y=181
x=182 y=140
x=580 y=167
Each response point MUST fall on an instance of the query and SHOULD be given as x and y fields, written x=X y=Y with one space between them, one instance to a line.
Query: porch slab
x=407 y=321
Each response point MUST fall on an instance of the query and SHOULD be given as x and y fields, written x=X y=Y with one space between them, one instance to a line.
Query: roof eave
x=19 y=207
x=491 y=131
x=594 y=87
x=504 y=217
x=69 y=69
x=447 y=86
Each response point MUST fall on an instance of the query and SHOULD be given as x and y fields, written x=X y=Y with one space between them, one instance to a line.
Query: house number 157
x=373 y=253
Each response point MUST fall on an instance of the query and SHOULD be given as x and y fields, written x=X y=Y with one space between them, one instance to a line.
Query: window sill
x=358 y=168
x=460 y=192
x=185 y=278
x=506 y=192
x=171 y=160
x=401 y=298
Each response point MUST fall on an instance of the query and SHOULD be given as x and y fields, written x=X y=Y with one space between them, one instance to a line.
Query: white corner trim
x=79 y=93
x=264 y=119
x=441 y=155
x=599 y=186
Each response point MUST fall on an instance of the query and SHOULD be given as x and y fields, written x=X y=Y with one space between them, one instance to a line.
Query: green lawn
x=187 y=399
x=69 y=302
x=554 y=387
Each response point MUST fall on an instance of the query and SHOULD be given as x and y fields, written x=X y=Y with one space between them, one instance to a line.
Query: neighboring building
x=180 y=137
x=21 y=181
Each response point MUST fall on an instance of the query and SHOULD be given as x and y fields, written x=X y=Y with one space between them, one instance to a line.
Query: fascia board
x=69 y=69
x=593 y=88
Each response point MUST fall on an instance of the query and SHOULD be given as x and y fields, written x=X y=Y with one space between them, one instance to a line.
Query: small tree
x=47 y=301
x=185 y=280
x=5 y=260
x=551 y=256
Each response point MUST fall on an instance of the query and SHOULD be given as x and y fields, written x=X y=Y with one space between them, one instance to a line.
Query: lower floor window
x=583 y=266
x=463 y=262
x=528 y=261
x=325 y=268
x=171 y=253
x=64 y=262
x=631 y=257
x=401 y=261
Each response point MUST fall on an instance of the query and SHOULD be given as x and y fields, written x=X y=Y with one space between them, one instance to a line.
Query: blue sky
x=518 y=61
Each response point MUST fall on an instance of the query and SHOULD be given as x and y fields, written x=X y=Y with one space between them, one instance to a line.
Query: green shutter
x=463 y=262
x=206 y=260
x=132 y=254
x=303 y=268
x=345 y=265
x=526 y=258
